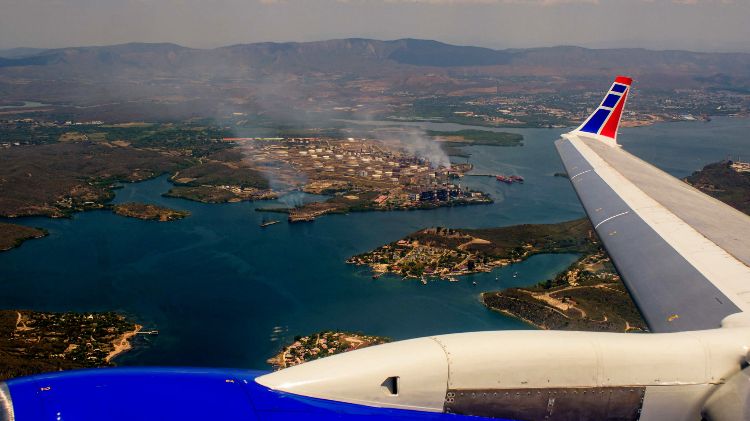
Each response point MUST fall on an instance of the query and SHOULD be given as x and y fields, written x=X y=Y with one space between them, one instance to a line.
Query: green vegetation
x=478 y=137
x=149 y=212
x=36 y=342
x=220 y=182
x=198 y=139
x=203 y=194
x=482 y=111
x=12 y=235
x=220 y=173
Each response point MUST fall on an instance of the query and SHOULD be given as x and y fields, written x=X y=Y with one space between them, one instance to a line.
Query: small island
x=447 y=252
x=34 y=342
x=148 y=212
x=589 y=295
x=322 y=344
x=13 y=235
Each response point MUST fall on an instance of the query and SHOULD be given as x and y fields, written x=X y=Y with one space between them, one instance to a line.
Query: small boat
x=473 y=282
x=515 y=274
x=267 y=223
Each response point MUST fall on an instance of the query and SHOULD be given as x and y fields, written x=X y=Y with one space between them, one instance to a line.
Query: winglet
x=605 y=120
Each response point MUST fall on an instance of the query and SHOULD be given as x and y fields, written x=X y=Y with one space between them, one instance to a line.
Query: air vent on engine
x=390 y=385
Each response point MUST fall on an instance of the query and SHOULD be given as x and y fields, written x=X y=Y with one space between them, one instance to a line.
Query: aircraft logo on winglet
x=605 y=120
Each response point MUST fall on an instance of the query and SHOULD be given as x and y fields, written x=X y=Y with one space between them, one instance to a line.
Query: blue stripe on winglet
x=619 y=88
x=611 y=100
x=596 y=121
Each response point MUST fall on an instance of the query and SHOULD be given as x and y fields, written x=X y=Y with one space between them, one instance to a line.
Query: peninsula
x=588 y=295
x=148 y=212
x=322 y=344
x=34 y=342
x=13 y=235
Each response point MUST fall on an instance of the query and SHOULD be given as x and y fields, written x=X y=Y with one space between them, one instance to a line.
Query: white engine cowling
x=730 y=401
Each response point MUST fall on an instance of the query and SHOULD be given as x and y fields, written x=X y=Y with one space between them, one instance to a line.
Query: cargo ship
x=509 y=179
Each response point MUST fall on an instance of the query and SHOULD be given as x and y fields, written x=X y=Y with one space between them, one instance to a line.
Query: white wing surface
x=683 y=255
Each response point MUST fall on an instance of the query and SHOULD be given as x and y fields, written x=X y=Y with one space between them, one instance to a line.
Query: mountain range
x=343 y=72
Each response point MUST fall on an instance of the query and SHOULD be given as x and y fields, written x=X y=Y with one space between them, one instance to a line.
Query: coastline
x=588 y=296
x=511 y=314
x=122 y=344
x=14 y=235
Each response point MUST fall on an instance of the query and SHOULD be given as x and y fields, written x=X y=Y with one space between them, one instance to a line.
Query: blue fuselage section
x=174 y=394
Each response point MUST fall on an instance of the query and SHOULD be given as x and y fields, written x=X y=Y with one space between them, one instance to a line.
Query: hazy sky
x=713 y=25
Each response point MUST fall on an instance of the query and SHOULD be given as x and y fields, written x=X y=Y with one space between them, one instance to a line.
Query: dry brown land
x=589 y=295
x=56 y=179
x=725 y=183
x=37 y=342
x=122 y=344
x=12 y=235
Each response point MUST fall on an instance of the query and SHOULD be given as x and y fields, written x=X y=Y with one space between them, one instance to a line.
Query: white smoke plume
x=417 y=143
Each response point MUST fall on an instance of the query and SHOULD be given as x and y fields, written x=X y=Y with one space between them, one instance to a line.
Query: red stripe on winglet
x=610 y=127
x=624 y=80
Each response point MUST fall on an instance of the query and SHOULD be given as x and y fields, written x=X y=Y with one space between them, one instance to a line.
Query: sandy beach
x=122 y=343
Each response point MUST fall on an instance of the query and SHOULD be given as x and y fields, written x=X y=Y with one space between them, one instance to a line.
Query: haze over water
x=224 y=292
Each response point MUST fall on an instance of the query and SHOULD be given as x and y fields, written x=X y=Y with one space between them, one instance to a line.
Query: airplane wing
x=682 y=254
